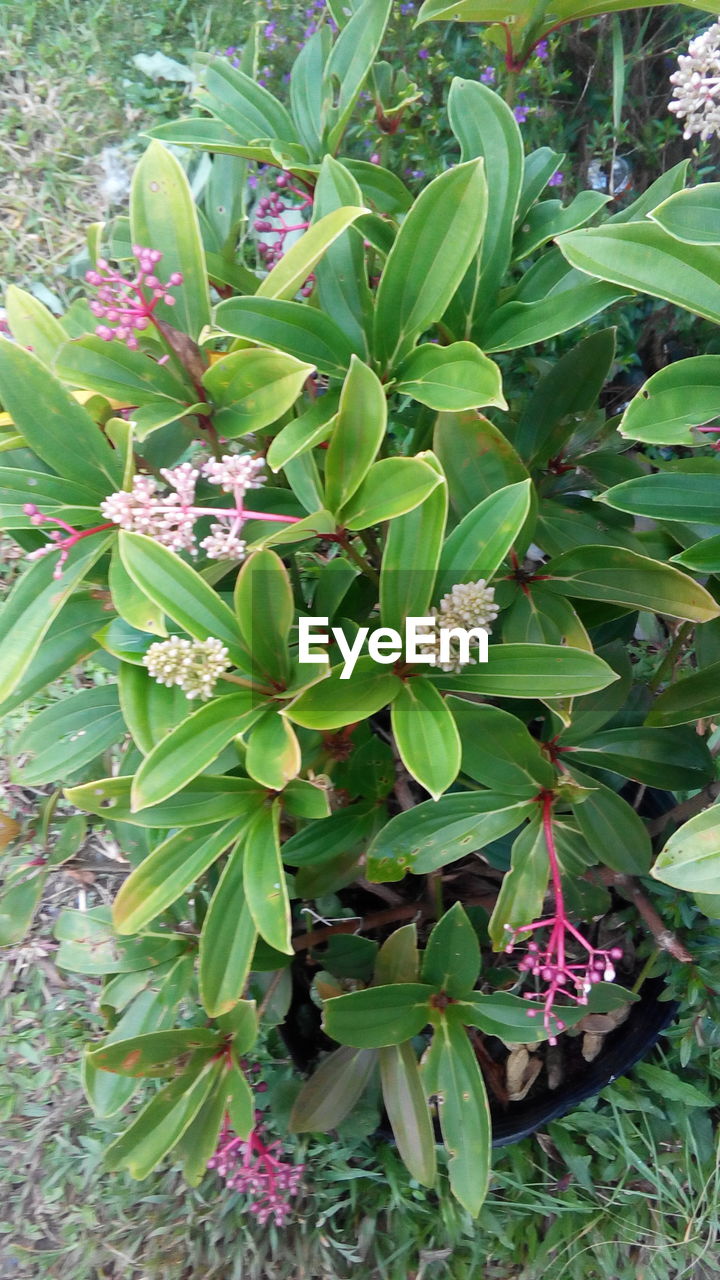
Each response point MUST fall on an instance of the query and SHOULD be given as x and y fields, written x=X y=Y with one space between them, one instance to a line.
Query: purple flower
x=541 y=50
x=557 y=179
x=423 y=53
x=488 y=76
x=520 y=114
x=407 y=8
x=270 y=29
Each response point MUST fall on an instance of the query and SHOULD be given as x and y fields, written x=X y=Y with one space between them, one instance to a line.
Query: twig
x=686 y=808
x=664 y=937
x=363 y=924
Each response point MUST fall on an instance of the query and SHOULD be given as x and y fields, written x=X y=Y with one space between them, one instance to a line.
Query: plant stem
x=673 y=652
x=358 y=924
x=357 y=559
x=664 y=937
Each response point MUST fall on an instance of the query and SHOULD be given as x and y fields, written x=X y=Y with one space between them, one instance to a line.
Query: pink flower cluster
x=270 y=218
x=128 y=306
x=551 y=962
x=62 y=539
x=256 y=1168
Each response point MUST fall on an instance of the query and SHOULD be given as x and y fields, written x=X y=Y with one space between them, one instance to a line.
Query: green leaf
x=451 y=378
x=341 y=277
x=673 y=758
x=264 y=880
x=624 y=577
x=392 y=487
x=32 y=325
x=357 y=435
x=334 y=702
x=205 y=800
x=567 y=302
x=478 y=545
x=163 y=216
x=68 y=734
x=642 y=256
x=247 y=108
x=290 y=327
x=332 y=1090
x=352 y=56
x=306 y=90
x=538 y=169
x=170 y=870
x=671 y=495
x=550 y=218
x=702 y=557
x=53 y=495
x=695 y=697
x=426 y=736
x=113 y=370
x=433 y=249
x=304 y=432
x=18 y=903
x=290 y=274
x=265 y=610
x=531 y=671
x=150 y=709
x=273 y=755
x=227 y=941
x=518 y=1021
x=346 y=829
x=671 y=1088
x=154 y=1054
x=131 y=604
x=451 y=962
x=32 y=606
x=90 y=945
x=200 y=1140
x=569 y=389
x=690 y=859
x=398 y=959
x=612 y=828
x=253 y=387
x=524 y=886
x=179 y=591
x=191 y=746
x=162 y=1122
x=441 y=831
x=412 y=554
x=692 y=216
x=498 y=750
x=48 y=417
x=408 y=1111
x=485 y=127
x=675 y=399
x=476 y=458
x=463 y=1110
x=378 y=1016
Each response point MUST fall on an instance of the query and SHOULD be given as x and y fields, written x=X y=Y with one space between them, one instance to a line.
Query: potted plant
x=370 y=643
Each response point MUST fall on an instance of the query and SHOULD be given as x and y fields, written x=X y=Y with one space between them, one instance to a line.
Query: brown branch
x=686 y=809
x=362 y=924
x=664 y=937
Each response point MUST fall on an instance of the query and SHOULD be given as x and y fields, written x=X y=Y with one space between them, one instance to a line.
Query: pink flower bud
x=176 y=278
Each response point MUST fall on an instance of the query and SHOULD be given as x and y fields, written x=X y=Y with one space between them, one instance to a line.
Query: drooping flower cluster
x=696 y=85
x=551 y=962
x=170 y=517
x=127 y=306
x=270 y=214
x=62 y=539
x=256 y=1168
x=193 y=665
x=467 y=605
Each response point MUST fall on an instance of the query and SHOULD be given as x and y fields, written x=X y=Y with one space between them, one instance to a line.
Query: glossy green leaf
x=334 y=702
x=48 y=416
x=273 y=755
x=408 y=1111
x=531 y=671
x=378 y=1016
x=163 y=216
x=523 y=321
x=451 y=962
x=342 y=285
x=291 y=327
x=191 y=746
x=312 y=427
x=150 y=709
x=265 y=610
x=426 y=736
x=437 y=832
x=352 y=56
x=264 y=880
x=306 y=90
x=433 y=250
x=357 y=435
x=616 y=834
x=290 y=274
x=549 y=218
x=690 y=859
x=205 y=800
x=170 y=870
x=157 y=1053
x=179 y=591
x=671 y=495
x=163 y=1120
x=18 y=903
x=68 y=734
x=692 y=216
x=673 y=401
x=332 y=1090
x=701 y=557
x=642 y=256
x=478 y=545
x=452 y=1074
x=568 y=390
x=227 y=941
x=347 y=828
x=398 y=959
x=131 y=603
x=32 y=606
x=254 y=387
x=89 y=944
x=200 y=1140
x=32 y=325
x=391 y=488
x=249 y=109
x=451 y=378
x=498 y=751
x=476 y=458
x=113 y=370
x=676 y=759
x=694 y=697
x=411 y=556
x=623 y=577
x=524 y=886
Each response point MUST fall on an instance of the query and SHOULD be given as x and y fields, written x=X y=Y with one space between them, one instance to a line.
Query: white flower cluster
x=170 y=518
x=193 y=665
x=696 y=85
x=469 y=604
